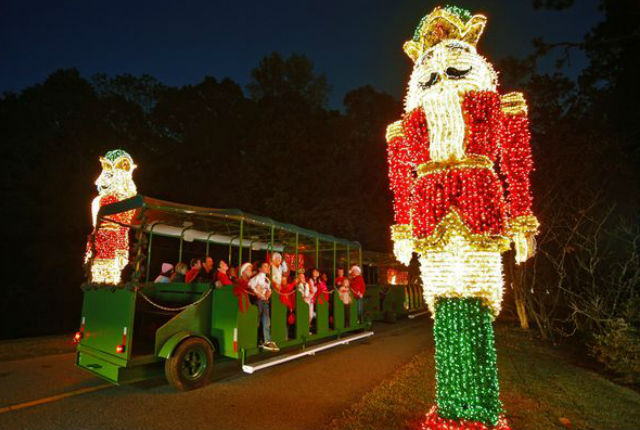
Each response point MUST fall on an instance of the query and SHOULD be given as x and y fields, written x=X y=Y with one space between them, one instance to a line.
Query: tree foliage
x=585 y=281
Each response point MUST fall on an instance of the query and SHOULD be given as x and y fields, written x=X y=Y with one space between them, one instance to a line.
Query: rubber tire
x=172 y=365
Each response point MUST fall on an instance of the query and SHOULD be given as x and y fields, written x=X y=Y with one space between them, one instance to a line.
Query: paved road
x=301 y=394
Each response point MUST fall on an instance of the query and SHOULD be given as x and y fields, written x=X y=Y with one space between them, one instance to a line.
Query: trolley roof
x=210 y=221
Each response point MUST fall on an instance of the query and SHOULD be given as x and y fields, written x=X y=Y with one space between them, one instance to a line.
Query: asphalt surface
x=301 y=394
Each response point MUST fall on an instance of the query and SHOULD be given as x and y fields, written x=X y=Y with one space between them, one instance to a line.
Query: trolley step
x=253 y=367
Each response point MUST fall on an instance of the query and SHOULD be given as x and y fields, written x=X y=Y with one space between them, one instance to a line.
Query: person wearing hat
x=358 y=287
x=241 y=289
x=165 y=273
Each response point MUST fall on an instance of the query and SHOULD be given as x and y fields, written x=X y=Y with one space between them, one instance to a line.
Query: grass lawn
x=539 y=386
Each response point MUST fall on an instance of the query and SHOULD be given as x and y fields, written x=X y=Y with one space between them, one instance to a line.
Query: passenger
x=221 y=276
x=165 y=273
x=345 y=298
x=314 y=281
x=322 y=296
x=260 y=285
x=279 y=282
x=233 y=274
x=340 y=278
x=241 y=290
x=206 y=275
x=345 y=292
x=276 y=271
x=180 y=273
x=359 y=288
x=192 y=274
x=324 y=278
x=256 y=267
x=307 y=291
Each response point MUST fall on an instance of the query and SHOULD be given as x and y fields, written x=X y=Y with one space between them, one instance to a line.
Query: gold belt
x=472 y=162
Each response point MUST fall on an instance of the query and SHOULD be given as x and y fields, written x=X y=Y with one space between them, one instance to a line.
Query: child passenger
x=345 y=297
x=165 y=273
x=180 y=273
x=307 y=292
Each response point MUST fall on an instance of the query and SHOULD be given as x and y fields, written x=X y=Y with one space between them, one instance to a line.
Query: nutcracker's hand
x=525 y=245
x=403 y=250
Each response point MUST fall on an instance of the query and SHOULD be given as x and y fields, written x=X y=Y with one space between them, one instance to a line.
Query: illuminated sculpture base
x=108 y=271
x=466 y=369
x=433 y=421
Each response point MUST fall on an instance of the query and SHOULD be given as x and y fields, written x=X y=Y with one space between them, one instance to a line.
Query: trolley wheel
x=190 y=365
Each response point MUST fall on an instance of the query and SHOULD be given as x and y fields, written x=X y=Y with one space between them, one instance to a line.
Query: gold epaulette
x=473 y=161
x=394 y=130
x=523 y=224
x=513 y=103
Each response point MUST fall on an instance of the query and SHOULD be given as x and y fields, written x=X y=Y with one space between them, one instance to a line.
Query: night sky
x=353 y=42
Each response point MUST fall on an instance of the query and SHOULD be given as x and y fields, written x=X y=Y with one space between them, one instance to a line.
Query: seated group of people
x=199 y=271
x=255 y=283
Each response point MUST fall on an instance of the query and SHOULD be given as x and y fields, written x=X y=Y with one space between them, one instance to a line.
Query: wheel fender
x=170 y=345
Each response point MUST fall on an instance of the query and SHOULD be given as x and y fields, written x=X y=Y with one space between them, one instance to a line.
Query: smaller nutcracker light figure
x=108 y=246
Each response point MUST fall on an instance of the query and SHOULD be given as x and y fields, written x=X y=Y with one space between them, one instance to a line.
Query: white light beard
x=443 y=111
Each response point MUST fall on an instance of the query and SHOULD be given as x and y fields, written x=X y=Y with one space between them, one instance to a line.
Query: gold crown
x=442 y=24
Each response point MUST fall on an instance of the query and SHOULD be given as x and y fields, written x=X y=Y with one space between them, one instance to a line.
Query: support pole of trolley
x=251 y=248
x=231 y=248
x=348 y=259
x=334 y=264
x=208 y=238
x=297 y=241
x=149 y=252
x=273 y=228
x=139 y=244
x=240 y=243
x=182 y=240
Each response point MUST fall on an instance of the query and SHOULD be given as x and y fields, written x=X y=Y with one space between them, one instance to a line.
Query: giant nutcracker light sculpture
x=108 y=246
x=459 y=166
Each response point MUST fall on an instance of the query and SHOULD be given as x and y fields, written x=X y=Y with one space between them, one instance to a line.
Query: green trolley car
x=137 y=329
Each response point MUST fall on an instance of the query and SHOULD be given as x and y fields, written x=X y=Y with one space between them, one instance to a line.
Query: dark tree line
x=585 y=281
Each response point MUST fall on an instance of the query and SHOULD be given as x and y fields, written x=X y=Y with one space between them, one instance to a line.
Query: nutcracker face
x=450 y=66
x=116 y=176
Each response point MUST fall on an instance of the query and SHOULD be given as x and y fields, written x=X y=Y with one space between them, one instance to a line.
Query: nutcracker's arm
x=400 y=180
x=516 y=163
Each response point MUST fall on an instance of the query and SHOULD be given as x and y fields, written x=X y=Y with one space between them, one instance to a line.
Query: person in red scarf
x=358 y=287
x=192 y=274
x=322 y=295
x=241 y=290
x=222 y=278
